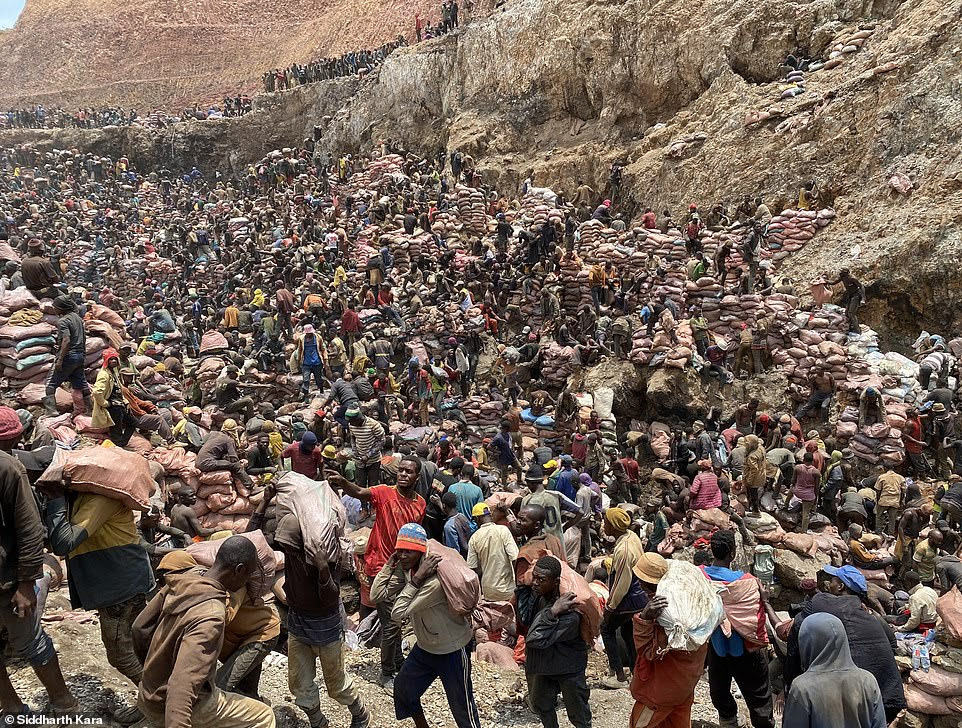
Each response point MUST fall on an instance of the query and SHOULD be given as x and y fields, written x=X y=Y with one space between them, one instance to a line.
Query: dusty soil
x=500 y=695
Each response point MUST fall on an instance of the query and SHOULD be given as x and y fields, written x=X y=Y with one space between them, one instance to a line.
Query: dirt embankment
x=168 y=54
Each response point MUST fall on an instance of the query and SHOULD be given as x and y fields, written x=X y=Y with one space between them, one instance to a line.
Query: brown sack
x=920 y=701
x=949 y=608
x=937 y=682
x=109 y=471
x=461 y=585
x=260 y=583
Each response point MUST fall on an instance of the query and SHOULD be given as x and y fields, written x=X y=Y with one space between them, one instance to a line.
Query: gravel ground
x=500 y=694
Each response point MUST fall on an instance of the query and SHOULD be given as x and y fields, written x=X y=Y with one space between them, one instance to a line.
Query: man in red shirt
x=914 y=444
x=350 y=325
x=305 y=458
x=385 y=302
x=393 y=507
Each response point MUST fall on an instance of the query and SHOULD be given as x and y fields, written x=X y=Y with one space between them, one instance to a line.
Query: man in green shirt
x=659 y=524
x=552 y=501
x=927 y=556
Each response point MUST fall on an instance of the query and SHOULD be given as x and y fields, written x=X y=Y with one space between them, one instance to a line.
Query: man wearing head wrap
x=71 y=350
x=188 y=430
x=219 y=452
x=626 y=597
x=110 y=409
x=832 y=692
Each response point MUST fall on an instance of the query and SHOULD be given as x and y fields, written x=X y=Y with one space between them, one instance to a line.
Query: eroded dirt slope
x=167 y=54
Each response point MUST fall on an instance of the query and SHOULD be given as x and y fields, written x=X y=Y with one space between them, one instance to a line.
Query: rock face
x=791 y=568
x=688 y=96
x=228 y=145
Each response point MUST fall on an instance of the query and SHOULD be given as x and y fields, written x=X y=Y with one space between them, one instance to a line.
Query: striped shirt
x=367 y=439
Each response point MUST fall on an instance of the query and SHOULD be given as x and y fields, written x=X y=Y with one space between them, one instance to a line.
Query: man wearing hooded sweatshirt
x=179 y=636
x=870 y=640
x=832 y=692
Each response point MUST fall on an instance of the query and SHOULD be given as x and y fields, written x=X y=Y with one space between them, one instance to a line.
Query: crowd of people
x=422 y=353
x=446 y=23
x=41 y=117
x=351 y=63
x=355 y=63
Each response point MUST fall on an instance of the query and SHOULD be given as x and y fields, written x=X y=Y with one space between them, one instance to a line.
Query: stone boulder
x=791 y=568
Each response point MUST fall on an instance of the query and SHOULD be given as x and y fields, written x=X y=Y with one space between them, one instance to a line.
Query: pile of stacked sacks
x=406 y=248
x=847 y=43
x=223 y=502
x=26 y=338
x=575 y=291
x=372 y=176
x=932 y=663
x=661 y=350
x=470 y=204
x=482 y=413
x=447 y=320
x=558 y=363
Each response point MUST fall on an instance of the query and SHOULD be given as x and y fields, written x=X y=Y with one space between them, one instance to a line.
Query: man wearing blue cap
x=871 y=641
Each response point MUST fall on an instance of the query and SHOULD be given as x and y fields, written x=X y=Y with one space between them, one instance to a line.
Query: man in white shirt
x=922 y=600
x=491 y=553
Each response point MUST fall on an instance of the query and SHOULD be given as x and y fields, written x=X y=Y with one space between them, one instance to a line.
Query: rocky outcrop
x=566 y=88
x=226 y=145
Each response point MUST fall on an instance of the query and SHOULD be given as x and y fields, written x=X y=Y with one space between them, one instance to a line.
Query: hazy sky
x=9 y=10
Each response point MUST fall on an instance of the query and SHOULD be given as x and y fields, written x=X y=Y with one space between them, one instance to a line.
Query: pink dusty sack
x=461 y=585
x=949 y=608
x=319 y=511
x=260 y=583
x=108 y=471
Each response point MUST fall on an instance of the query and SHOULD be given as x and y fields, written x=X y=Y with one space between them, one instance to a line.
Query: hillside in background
x=168 y=54
x=692 y=97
